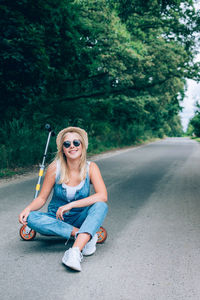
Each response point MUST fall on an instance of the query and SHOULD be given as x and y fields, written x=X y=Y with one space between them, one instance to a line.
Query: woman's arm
x=100 y=192
x=40 y=201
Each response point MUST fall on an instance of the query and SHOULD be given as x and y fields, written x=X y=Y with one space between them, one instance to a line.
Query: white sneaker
x=72 y=258
x=90 y=247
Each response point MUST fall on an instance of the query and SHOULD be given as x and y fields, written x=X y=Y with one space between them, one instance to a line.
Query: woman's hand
x=24 y=215
x=63 y=209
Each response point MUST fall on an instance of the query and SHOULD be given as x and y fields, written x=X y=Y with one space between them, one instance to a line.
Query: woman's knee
x=100 y=206
x=33 y=217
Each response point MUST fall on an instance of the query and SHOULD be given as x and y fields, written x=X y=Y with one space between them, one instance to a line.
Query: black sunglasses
x=67 y=144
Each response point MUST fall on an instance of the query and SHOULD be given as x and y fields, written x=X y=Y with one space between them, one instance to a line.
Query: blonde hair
x=64 y=172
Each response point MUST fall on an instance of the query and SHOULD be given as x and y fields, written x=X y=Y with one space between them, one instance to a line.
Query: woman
x=71 y=211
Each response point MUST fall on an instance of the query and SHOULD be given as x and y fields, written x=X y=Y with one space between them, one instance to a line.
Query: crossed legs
x=83 y=226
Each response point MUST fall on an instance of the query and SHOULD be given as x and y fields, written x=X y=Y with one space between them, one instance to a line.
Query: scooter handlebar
x=48 y=127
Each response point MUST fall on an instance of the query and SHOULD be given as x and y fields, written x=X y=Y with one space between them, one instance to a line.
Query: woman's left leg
x=94 y=218
x=89 y=221
x=47 y=224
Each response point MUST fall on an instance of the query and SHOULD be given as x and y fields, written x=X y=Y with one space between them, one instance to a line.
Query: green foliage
x=194 y=124
x=21 y=144
x=6 y=173
x=116 y=68
x=190 y=130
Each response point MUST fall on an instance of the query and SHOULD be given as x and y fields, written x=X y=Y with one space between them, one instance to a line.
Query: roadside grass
x=5 y=173
x=104 y=149
x=195 y=138
x=9 y=173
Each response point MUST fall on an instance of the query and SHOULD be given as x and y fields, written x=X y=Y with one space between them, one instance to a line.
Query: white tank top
x=71 y=190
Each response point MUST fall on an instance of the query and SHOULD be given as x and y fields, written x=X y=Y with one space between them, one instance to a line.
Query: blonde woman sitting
x=71 y=211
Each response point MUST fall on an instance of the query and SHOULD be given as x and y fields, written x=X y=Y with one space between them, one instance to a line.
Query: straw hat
x=78 y=130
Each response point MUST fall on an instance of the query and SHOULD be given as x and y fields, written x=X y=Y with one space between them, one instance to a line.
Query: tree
x=194 y=124
x=116 y=68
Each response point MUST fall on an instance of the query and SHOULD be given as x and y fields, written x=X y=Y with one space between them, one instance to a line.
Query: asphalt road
x=153 y=248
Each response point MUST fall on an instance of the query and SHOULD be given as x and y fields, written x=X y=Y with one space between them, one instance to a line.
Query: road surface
x=153 y=246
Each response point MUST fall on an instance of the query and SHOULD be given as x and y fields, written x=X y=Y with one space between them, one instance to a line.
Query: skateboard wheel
x=102 y=235
x=26 y=233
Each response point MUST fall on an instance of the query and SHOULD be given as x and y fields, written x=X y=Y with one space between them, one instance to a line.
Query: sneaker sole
x=71 y=266
x=89 y=253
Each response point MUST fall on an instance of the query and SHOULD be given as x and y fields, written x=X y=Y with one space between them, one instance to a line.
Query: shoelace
x=70 y=238
x=81 y=256
x=66 y=242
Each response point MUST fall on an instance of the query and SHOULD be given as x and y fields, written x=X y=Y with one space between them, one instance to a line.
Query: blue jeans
x=88 y=220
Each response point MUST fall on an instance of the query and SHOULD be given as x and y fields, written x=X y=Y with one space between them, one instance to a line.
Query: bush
x=195 y=122
x=21 y=145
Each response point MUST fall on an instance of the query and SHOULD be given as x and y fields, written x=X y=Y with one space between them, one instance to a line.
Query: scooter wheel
x=27 y=235
x=102 y=235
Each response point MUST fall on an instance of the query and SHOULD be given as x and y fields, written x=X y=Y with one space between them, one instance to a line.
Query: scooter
x=27 y=233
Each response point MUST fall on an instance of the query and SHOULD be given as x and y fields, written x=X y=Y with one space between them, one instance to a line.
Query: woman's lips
x=73 y=151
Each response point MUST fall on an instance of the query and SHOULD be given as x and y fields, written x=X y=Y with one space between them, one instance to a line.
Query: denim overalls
x=87 y=219
x=60 y=193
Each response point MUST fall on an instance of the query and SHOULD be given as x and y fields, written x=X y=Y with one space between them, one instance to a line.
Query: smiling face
x=72 y=152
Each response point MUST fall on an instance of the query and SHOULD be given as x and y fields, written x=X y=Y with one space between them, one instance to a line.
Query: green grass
x=103 y=148
x=5 y=173
x=195 y=138
x=8 y=173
